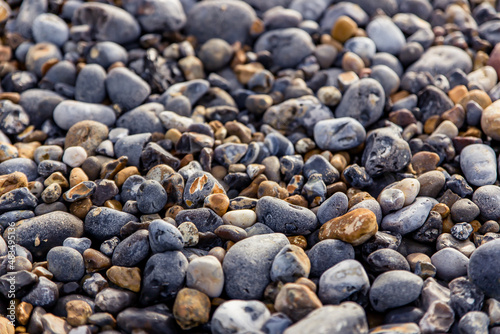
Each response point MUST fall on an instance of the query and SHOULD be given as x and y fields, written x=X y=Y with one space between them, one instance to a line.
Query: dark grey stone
x=395 y=288
x=164 y=236
x=66 y=264
x=104 y=223
x=132 y=250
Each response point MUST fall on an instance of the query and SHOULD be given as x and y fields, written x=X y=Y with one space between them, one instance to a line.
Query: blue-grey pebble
x=248 y=263
x=442 y=59
x=483 y=269
x=161 y=15
x=474 y=322
x=45 y=293
x=487 y=198
x=107 y=53
x=339 y=134
x=68 y=113
x=160 y=284
x=132 y=146
x=240 y=316
x=26 y=166
x=464 y=210
x=66 y=264
x=287 y=46
x=234 y=20
x=409 y=218
x=90 y=84
x=107 y=22
x=385 y=151
x=14 y=216
x=395 y=288
x=28 y=12
x=18 y=199
x=193 y=90
x=386 y=77
x=257 y=229
x=283 y=217
x=278 y=144
x=103 y=223
x=327 y=253
x=132 y=250
x=164 y=236
x=386 y=35
x=39 y=54
x=335 y=206
x=386 y=259
x=317 y=164
x=50 y=28
x=140 y=121
x=389 y=60
x=450 y=263
x=345 y=281
x=80 y=244
x=39 y=104
x=277 y=324
x=126 y=88
x=206 y=220
x=151 y=197
x=364 y=101
x=479 y=165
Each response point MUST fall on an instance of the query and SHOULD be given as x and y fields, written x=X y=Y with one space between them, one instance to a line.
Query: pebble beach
x=249 y=167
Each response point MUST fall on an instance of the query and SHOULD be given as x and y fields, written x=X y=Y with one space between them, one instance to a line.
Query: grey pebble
x=68 y=113
x=80 y=244
x=104 y=223
x=386 y=35
x=409 y=218
x=66 y=264
x=132 y=250
x=450 y=263
x=164 y=236
x=125 y=88
x=394 y=288
x=483 y=271
x=206 y=220
x=114 y=300
x=479 y=165
x=151 y=197
x=487 y=198
x=241 y=316
x=339 y=134
x=387 y=259
x=90 y=84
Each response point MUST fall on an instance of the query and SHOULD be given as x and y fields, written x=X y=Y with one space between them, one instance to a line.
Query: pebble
x=450 y=263
x=386 y=35
x=90 y=84
x=191 y=308
x=289 y=264
x=247 y=265
x=151 y=197
x=481 y=270
x=442 y=59
x=478 y=164
x=387 y=259
x=339 y=134
x=65 y=263
x=354 y=227
x=394 y=288
x=438 y=318
x=205 y=274
x=333 y=319
x=465 y=297
x=104 y=223
x=69 y=113
x=239 y=315
x=347 y=280
x=296 y=301
x=363 y=101
x=333 y=207
x=487 y=198
x=409 y=218
x=474 y=322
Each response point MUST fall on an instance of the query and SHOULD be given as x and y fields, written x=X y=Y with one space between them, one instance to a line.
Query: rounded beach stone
x=345 y=281
x=387 y=259
x=287 y=46
x=162 y=15
x=160 y=284
x=74 y=156
x=87 y=134
x=487 y=198
x=354 y=227
x=450 y=263
x=296 y=301
x=50 y=28
x=479 y=165
x=442 y=59
x=247 y=265
x=489 y=120
x=482 y=269
x=333 y=207
x=205 y=274
x=394 y=288
x=474 y=322
x=339 y=134
x=284 y=217
x=151 y=197
x=239 y=315
x=69 y=113
x=65 y=263
x=132 y=250
x=289 y=264
x=241 y=218
x=90 y=84
x=327 y=253
x=386 y=35
x=191 y=308
x=125 y=88
x=42 y=233
x=164 y=236
x=409 y=218
x=336 y=319
x=363 y=101
x=104 y=223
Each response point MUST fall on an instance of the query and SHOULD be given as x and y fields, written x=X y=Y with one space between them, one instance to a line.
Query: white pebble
x=74 y=156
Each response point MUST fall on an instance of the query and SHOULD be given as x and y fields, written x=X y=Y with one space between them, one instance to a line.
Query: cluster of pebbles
x=284 y=166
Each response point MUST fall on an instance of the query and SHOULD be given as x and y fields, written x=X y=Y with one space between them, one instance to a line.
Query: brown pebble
x=414 y=258
x=344 y=28
x=431 y=124
x=230 y=232
x=447 y=224
x=336 y=187
x=402 y=117
x=54 y=325
x=457 y=93
x=253 y=188
x=87 y=134
x=307 y=282
x=113 y=204
x=78 y=312
x=173 y=211
x=298 y=240
x=12 y=181
x=77 y=176
x=191 y=308
x=58 y=178
x=424 y=161
x=354 y=227
x=81 y=208
x=27 y=150
x=42 y=272
x=456 y=115
x=110 y=169
x=271 y=188
x=23 y=312
x=296 y=301
x=127 y=278
x=219 y=203
x=6 y=326
x=95 y=261
x=218 y=252
x=442 y=209
x=8 y=152
x=11 y=96
x=240 y=130
x=481 y=97
x=358 y=198
x=297 y=200
x=352 y=62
